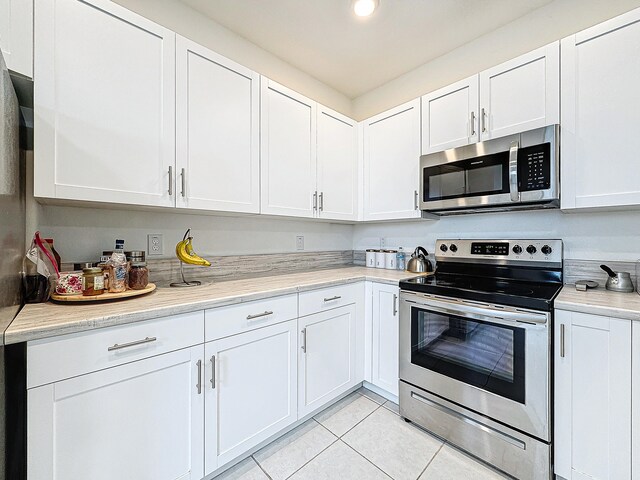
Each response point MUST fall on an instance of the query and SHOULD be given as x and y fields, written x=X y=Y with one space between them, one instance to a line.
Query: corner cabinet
x=16 y=35
x=288 y=151
x=385 y=370
x=392 y=163
x=593 y=396
x=217 y=131
x=518 y=95
x=104 y=104
x=600 y=114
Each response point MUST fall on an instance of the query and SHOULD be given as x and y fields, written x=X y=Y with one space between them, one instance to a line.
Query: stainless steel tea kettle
x=419 y=263
x=618 y=281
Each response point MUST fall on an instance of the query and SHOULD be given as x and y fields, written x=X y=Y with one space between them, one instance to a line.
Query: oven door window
x=486 y=355
x=487 y=175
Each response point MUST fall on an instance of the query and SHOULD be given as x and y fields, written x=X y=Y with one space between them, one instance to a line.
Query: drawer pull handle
x=258 y=315
x=331 y=299
x=118 y=346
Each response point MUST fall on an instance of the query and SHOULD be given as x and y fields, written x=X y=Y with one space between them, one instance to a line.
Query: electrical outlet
x=300 y=242
x=383 y=242
x=154 y=244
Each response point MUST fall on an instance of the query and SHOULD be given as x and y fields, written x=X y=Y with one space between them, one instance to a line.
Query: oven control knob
x=443 y=247
x=531 y=250
x=453 y=247
x=517 y=249
x=546 y=250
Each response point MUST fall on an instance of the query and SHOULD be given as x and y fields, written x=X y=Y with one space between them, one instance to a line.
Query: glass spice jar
x=138 y=275
x=92 y=281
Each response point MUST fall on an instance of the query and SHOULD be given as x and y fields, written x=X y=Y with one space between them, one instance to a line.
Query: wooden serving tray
x=105 y=297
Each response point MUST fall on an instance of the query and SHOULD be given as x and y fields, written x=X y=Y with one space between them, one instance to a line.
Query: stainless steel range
x=475 y=350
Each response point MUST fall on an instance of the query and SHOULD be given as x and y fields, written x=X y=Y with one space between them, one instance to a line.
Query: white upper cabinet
x=288 y=151
x=392 y=163
x=217 y=131
x=104 y=104
x=521 y=94
x=337 y=166
x=516 y=96
x=450 y=116
x=601 y=114
x=16 y=35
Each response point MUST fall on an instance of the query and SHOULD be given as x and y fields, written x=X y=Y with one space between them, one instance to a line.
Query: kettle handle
x=423 y=251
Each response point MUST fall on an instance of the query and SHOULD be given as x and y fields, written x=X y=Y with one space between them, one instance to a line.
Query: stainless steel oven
x=516 y=171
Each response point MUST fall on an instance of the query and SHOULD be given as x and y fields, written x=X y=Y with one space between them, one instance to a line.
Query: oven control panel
x=500 y=251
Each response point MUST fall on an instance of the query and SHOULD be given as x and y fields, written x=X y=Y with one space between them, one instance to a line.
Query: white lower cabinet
x=592 y=398
x=385 y=335
x=250 y=390
x=139 y=420
x=327 y=357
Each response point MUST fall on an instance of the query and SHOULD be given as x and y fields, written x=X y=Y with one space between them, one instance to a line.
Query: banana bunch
x=185 y=253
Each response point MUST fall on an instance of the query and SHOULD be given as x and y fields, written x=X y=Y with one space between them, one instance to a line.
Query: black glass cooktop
x=537 y=295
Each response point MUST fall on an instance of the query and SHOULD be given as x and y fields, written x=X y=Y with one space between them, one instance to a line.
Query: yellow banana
x=184 y=251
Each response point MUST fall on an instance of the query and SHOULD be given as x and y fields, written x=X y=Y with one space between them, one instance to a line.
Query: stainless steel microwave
x=514 y=172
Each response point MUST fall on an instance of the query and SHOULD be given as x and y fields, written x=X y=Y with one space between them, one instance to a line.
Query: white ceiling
x=326 y=40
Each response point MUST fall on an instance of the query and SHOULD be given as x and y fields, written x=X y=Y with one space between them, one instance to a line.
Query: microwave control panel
x=534 y=167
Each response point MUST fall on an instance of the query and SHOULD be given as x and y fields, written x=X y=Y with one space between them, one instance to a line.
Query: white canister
x=390 y=258
x=379 y=258
x=370 y=258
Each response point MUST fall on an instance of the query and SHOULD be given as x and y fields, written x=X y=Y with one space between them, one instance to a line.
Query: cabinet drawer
x=323 y=299
x=225 y=321
x=58 y=358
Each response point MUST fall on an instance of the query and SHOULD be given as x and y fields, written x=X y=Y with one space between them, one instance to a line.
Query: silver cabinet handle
x=315 y=201
x=118 y=346
x=395 y=305
x=258 y=315
x=170 y=180
x=199 y=384
x=473 y=123
x=331 y=299
x=415 y=199
x=562 y=352
x=321 y=208
x=304 y=340
x=213 y=372
x=183 y=180
x=513 y=172
x=483 y=115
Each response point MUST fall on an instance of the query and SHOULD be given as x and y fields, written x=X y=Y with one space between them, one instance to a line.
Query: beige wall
x=189 y=23
x=540 y=27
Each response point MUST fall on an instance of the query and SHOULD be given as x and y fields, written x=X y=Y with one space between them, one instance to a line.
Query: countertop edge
x=599 y=302
x=17 y=334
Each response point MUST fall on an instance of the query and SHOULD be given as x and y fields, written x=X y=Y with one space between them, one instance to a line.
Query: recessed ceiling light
x=364 y=8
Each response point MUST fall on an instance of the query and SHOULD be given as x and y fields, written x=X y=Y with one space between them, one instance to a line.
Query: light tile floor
x=359 y=437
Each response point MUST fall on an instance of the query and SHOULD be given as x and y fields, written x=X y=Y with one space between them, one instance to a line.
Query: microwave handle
x=513 y=172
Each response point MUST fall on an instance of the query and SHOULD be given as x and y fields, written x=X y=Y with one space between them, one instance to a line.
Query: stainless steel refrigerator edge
x=12 y=231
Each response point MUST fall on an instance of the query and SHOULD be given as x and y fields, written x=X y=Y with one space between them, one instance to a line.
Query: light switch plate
x=154 y=244
x=300 y=242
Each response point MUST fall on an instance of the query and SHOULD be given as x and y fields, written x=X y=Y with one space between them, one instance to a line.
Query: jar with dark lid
x=135 y=256
x=138 y=275
x=92 y=281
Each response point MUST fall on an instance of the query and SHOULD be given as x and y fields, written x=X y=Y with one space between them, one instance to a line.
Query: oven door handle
x=485 y=313
x=513 y=172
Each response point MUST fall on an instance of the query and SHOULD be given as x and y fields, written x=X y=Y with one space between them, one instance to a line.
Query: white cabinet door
x=104 y=104
x=288 y=151
x=385 y=371
x=392 y=163
x=592 y=399
x=141 y=420
x=635 y=399
x=521 y=94
x=250 y=390
x=450 y=116
x=600 y=115
x=327 y=357
x=217 y=137
x=337 y=166
x=16 y=35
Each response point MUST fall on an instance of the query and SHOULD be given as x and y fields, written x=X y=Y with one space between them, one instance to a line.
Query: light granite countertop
x=599 y=302
x=44 y=320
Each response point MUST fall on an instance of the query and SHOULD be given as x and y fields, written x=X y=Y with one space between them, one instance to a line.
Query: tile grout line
x=430 y=461
x=363 y=419
x=260 y=467
x=319 y=453
x=361 y=455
